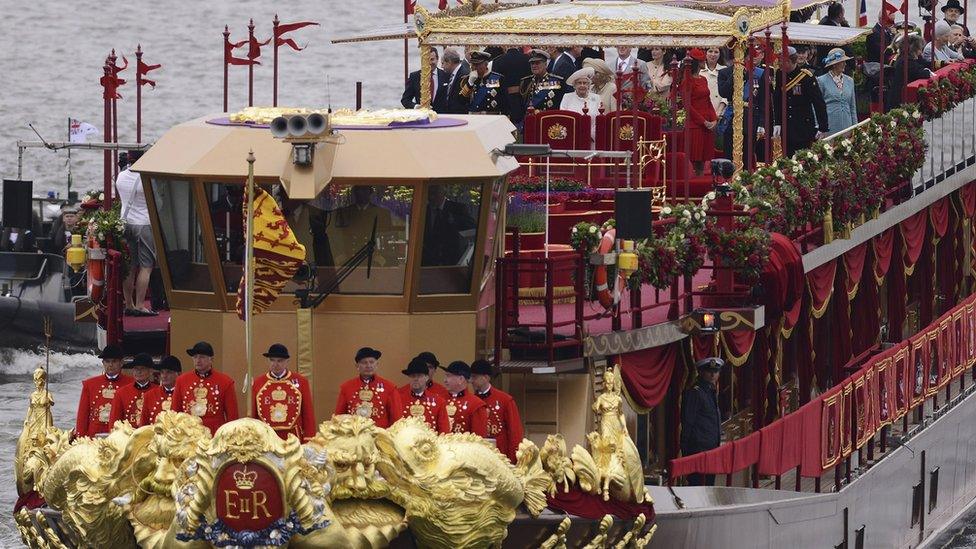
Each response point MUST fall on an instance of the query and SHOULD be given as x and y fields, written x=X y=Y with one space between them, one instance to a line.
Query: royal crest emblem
x=557 y=131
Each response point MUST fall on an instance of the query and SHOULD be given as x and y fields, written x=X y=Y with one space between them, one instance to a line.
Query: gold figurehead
x=353 y=484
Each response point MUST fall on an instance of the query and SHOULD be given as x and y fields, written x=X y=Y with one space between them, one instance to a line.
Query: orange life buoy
x=96 y=271
x=608 y=297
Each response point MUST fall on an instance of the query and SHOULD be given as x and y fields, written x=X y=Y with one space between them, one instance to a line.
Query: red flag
x=408 y=6
x=254 y=48
x=142 y=69
x=288 y=27
x=288 y=42
x=442 y=5
x=887 y=8
x=229 y=58
x=904 y=7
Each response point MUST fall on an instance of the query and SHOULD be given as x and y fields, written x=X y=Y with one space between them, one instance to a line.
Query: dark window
x=450 y=236
x=179 y=228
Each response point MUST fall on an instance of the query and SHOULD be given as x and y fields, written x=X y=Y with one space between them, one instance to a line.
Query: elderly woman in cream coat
x=838 y=92
x=583 y=100
x=603 y=82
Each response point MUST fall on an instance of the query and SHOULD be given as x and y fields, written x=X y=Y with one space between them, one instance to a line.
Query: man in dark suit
x=567 y=62
x=454 y=74
x=806 y=112
x=411 y=95
x=701 y=418
x=446 y=220
x=513 y=65
x=61 y=229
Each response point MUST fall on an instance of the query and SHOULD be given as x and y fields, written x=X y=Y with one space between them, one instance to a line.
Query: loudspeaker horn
x=297 y=126
x=318 y=124
x=279 y=127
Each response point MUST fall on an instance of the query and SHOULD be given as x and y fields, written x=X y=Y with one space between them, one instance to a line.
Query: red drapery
x=647 y=374
x=913 y=237
x=737 y=345
x=896 y=293
x=840 y=349
x=745 y=451
x=590 y=506
x=939 y=213
x=820 y=282
x=718 y=461
x=882 y=254
x=810 y=455
x=967 y=195
x=853 y=267
x=782 y=278
x=703 y=346
x=866 y=310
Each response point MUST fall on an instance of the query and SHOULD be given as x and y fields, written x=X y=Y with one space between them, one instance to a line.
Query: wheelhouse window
x=334 y=227
x=179 y=228
x=450 y=236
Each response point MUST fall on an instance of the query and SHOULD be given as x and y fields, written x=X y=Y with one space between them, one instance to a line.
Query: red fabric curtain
x=810 y=458
x=882 y=253
x=745 y=451
x=687 y=465
x=718 y=461
x=840 y=329
x=590 y=506
x=820 y=282
x=703 y=346
x=967 y=195
x=866 y=310
x=913 y=234
x=782 y=278
x=939 y=213
x=771 y=448
x=737 y=345
x=896 y=288
x=853 y=267
x=647 y=374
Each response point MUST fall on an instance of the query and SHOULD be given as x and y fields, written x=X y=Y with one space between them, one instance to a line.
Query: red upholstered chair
x=678 y=167
x=617 y=131
x=565 y=130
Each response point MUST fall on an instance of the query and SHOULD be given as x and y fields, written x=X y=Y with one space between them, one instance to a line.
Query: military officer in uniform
x=419 y=401
x=701 y=419
x=433 y=365
x=282 y=398
x=205 y=392
x=159 y=399
x=504 y=423
x=97 y=393
x=483 y=88
x=369 y=395
x=130 y=399
x=541 y=91
x=806 y=118
x=466 y=413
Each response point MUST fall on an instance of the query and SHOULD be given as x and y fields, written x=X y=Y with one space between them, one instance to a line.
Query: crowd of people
x=822 y=94
x=467 y=402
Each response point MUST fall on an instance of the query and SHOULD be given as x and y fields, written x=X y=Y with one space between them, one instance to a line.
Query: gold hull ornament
x=352 y=485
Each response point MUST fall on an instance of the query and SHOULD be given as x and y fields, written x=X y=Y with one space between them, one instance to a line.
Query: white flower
x=710 y=195
x=699 y=216
x=815 y=157
x=574 y=230
x=779 y=173
x=686 y=213
x=666 y=210
x=846 y=143
x=894 y=124
x=101 y=196
x=592 y=229
x=798 y=168
x=827 y=148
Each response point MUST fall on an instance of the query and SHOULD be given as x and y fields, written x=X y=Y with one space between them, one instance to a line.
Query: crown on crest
x=245 y=479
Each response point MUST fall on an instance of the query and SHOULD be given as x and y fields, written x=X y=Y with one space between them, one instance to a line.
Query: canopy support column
x=738 y=82
x=425 y=72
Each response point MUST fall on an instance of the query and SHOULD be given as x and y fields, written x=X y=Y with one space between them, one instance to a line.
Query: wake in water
x=17 y=362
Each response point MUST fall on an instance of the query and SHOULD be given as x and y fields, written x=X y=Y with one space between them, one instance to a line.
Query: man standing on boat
x=504 y=422
x=433 y=365
x=419 y=401
x=159 y=399
x=130 y=399
x=138 y=236
x=466 y=413
x=806 y=111
x=97 y=393
x=369 y=395
x=282 y=398
x=205 y=392
x=541 y=91
x=483 y=87
x=701 y=419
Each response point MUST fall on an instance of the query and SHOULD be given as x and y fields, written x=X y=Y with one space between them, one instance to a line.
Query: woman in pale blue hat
x=838 y=92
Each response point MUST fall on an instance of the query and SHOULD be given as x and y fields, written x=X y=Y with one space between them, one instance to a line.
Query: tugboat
x=829 y=281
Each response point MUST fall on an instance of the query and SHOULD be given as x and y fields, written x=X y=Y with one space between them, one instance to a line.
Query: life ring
x=96 y=271
x=605 y=295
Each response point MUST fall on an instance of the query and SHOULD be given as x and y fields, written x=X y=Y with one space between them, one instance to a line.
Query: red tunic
x=128 y=403
x=378 y=399
x=428 y=406
x=504 y=423
x=285 y=404
x=701 y=146
x=467 y=414
x=435 y=388
x=158 y=400
x=209 y=397
x=95 y=404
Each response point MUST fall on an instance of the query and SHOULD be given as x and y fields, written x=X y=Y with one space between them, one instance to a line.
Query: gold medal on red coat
x=199 y=407
x=417 y=409
x=279 y=413
x=278 y=394
x=451 y=409
x=108 y=392
x=365 y=395
x=365 y=409
x=104 y=412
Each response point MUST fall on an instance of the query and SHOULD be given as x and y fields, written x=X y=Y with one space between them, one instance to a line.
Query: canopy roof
x=584 y=22
x=200 y=149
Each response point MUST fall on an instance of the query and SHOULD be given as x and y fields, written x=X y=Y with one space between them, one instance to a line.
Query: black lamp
x=722 y=172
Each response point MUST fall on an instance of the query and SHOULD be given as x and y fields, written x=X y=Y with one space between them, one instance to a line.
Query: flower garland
x=942 y=95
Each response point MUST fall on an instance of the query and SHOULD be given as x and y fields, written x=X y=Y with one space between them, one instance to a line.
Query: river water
x=51 y=54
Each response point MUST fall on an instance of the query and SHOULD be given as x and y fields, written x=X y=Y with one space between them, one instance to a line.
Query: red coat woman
x=700 y=115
